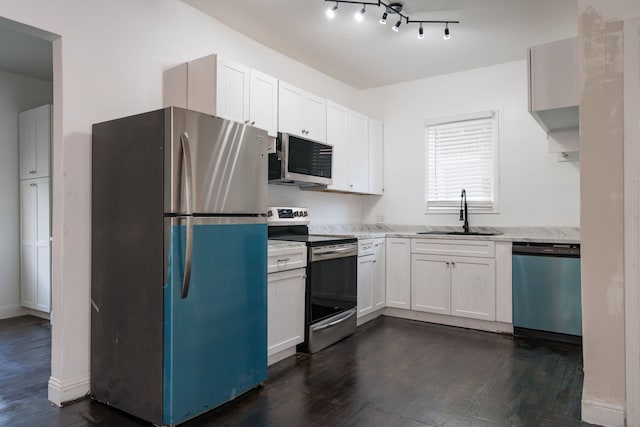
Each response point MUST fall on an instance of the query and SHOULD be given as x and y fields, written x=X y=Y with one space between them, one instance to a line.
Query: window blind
x=460 y=154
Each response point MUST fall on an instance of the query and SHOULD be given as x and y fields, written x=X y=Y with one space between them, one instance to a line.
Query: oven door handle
x=333 y=251
x=349 y=314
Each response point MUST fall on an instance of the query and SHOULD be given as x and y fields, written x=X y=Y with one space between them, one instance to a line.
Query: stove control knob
x=305 y=213
x=296 y=213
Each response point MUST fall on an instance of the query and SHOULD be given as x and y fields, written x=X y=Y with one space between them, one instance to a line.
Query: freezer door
x=215 y=345
x=227 y=168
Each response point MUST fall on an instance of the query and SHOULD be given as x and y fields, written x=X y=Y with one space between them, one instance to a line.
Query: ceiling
x=367 y=54
x=26 y=55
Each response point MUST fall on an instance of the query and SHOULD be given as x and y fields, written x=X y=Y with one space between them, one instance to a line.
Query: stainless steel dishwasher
x=546 y=291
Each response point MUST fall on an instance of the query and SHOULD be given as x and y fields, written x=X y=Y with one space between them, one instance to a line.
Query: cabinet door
x=337 y=136
x=290 y=109
x=357 y=138
x=34 y=127
x=314 y=114
x=376 y=156
x=431 y=283
x=554 y=75
x=285 y=308
x=379 y=275
x=35 y=261
x=398 y=273
x=263 y=102
x=473 y=288
x=365 y=284
x=232 y=91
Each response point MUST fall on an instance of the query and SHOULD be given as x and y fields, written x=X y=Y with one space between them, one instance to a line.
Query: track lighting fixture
x=360 y=14
x=331 y=13
x=394 y=8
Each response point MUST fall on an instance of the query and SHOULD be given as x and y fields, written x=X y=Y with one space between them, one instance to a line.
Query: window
x=462 y=152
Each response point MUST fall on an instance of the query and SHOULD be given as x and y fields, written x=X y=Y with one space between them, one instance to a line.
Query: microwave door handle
x=188 y=256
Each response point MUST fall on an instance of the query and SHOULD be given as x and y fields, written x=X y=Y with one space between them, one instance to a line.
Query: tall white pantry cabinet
x=35 y=201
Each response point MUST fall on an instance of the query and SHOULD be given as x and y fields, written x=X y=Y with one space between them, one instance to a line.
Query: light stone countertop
x=508 y=234
x=283 y=244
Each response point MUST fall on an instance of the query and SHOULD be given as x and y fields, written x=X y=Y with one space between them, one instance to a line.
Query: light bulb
x=331 y=13
x=360 y=15
x=447 y=36
x=397 y=26
x=383 y=20
x=420 y=32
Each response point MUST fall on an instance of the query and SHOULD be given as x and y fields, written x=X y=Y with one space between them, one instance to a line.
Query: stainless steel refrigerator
x=179 y=271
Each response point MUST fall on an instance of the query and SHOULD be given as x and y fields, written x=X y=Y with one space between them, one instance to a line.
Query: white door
x=431 y=283
x=398 y=273
x=263 y=102
x=366 y=267
x=473 y=288
x=35 y=253
x=232 y=91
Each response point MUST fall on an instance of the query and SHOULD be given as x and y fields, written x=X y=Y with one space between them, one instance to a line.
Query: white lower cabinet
x=443 y=283
x=398 y=272
x=35 y=245
x=285 y=310
x=371 y=276
x=285 y=300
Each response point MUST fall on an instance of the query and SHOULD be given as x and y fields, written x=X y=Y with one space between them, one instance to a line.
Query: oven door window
x=332 y=287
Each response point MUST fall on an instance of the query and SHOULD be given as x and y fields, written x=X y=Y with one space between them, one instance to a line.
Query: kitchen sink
x=460 y=233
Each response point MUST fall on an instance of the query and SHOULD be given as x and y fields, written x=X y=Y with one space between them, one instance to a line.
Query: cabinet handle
x=253 y=123
x=453 y=264
x=448 y=263
x=246 y=122
x=32 y=171
x=283 y=259
x=32 y=185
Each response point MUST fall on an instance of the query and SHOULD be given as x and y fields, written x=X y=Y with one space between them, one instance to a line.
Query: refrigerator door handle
x=186 y=158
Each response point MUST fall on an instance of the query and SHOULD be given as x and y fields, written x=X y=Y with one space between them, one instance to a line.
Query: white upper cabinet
x=358 y=138
x=376 y=154
x=301 y=113
x=553 y=84
x=221 y=87
x=337 y=136
x=35 y=142
x=232 y=95
x=263 y=102
x=348 y=132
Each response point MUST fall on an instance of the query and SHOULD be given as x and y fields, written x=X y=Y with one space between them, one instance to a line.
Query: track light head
x=447 y=36
x=420 y=32
x=397 y=26
x=383 y=20
x=331 y=12
x=359 y=16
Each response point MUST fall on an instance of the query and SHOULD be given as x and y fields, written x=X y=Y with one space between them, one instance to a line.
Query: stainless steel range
x=331 y=288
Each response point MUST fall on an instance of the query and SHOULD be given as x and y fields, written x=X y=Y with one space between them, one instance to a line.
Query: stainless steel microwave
x=300 y=161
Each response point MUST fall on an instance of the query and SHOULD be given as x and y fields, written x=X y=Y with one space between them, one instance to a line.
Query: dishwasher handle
x=546 y=249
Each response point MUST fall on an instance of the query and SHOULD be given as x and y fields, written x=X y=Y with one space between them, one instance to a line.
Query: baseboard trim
x=368 y=317
x=281 y=355
x=13 y=310
x=602 y=413
x=62 y=392
x=461 y=322
x=36 y=313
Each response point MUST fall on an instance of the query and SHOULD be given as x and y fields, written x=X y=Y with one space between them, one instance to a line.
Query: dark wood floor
x=392 y=372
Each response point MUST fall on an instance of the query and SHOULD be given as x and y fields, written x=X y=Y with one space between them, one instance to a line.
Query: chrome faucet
x=464 y=212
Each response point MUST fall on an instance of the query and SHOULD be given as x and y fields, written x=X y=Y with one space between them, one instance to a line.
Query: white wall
x=17 y=93
x=109 y=63
x=535 y=189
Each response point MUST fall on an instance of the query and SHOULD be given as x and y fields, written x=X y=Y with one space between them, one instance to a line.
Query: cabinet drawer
x=475 y=248
x=286 y=258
